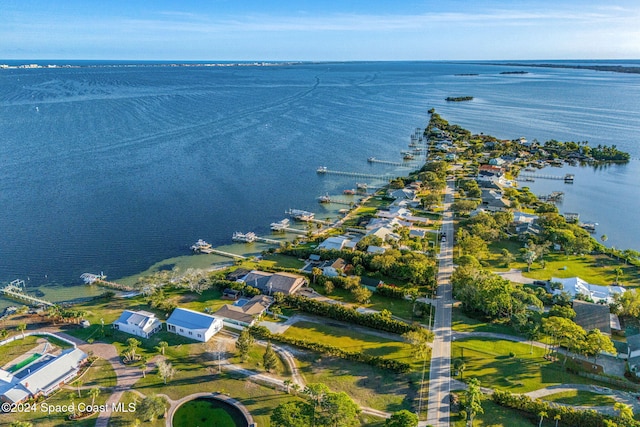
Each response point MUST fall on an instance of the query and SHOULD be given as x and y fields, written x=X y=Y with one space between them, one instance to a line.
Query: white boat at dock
x=300 y=214
x=201 y=246
x=249 y=237
x=280 y=225
x=361 y=186
x=322 y=169
x=324 y=199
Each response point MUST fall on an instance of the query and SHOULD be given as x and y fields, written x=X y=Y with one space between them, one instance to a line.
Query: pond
x=209 y=412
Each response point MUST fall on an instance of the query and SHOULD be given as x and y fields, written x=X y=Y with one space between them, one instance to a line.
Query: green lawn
x=20 y=346
x=278 y=260
x=463 y=323
x=254 y=362
x=495 y=416
x=350 y=339
x=366 y=385
x=489 y=360
x=127 y=419
x=581 y=398
x=100 y=374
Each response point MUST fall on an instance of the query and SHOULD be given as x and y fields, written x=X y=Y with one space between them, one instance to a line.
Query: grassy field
x=495 y=416
x=463 y=323
x=254 y=362
x=581 y=398
x=489 y=360
x=350 y=339
x=100 y=374
x=597 y=269
x=17 y=348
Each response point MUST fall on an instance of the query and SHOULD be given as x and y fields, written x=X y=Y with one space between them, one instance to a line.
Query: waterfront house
x=193 y=324
x=493 y=201
x=596 y=293
x=595 y=316
x=140 y=323
x=337 y=243
x=41 y=377
x=269 y=283
x=244 y=313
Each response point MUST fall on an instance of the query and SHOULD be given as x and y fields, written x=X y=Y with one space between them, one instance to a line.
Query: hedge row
x=568 y=416
x=379 y=362
x=348 y=314
x=391 y=291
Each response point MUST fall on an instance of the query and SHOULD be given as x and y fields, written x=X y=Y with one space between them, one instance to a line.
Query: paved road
x=440 y=373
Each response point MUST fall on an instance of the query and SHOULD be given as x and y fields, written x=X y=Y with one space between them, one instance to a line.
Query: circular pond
x=209 y=412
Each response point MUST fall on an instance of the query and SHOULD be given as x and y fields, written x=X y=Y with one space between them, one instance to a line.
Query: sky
x=319 y=30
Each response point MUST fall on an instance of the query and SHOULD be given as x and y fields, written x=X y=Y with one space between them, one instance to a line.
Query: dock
x=325 y=171
x=389 y=162
x=113 y=285
x=15 y=290
x=254 y=238
x=568 y=178
x=222 y=253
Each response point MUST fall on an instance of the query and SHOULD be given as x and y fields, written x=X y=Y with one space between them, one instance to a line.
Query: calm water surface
x=114 y=169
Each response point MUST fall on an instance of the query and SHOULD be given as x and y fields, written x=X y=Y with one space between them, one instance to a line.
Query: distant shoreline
x=611 y=68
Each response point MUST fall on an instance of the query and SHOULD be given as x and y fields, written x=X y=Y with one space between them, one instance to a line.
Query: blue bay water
x=115 y=168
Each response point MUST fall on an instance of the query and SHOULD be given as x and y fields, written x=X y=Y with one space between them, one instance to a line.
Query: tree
x=162 y=345
x=316 y=392
x=152 y=407
x=21 y=424
x=315 y=272
x=21 y=328
x=473 y=400
x=130 y=352
x=94 y=393
x=557 y=418
x=402 y=418
x=459 y=366
x=287 y=385
x=618 y=272
x=269 y=359
x=542 y=415
x=166 y=371
x=624 y=411
x=529 y=257
x=596 y=342
x=361 y=294
x=291 y=414
x=507 y=257
x=244 y=343
x=79 y=384
x=419 y=340
x=338 y=410
x=328 y=287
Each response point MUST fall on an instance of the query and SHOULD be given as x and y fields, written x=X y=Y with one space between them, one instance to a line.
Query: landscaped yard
x=100 y=374
x=580 y=398
x=495 y=416
x=463 y=323
x=489 y=360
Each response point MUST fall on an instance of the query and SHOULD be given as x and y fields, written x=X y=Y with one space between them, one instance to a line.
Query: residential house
x=375 y=249
x=633 y=354
x=270 y=283
x=244 y=313
x=595 y=316
x=337 y=243
x=493 y=201
x=41 y=377
x=193 y=324
x=139 y=323
x=575 y=285
x=334 y=268
x=232 y=294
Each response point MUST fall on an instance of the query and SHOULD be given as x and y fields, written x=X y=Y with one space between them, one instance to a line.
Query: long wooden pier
x=222 y=253
x=407 y=165
x=567 y=178
x=326 y=171
x=14 y=292
x=113 y=285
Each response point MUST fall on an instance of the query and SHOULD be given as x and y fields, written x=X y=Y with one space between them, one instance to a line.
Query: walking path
x=440 y=373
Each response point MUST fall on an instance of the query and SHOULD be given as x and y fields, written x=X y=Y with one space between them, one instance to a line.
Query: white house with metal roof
x=193 y=324
x=139 y=323
x=41 y=377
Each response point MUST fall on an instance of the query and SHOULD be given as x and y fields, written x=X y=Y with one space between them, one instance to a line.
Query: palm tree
x=618 y=272
x=557 y=418
x=79 y=384
x=624 y=411
x=287 y=384
x=21 y=328
x=162 y=345
x=542 y=415
x=94 y=392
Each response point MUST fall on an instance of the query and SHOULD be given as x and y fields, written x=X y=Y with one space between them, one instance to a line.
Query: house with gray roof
x=41 y=377
x=140 y=323
x=270 y=283
x=595 y=316
x=193 y=324
x=244 y=313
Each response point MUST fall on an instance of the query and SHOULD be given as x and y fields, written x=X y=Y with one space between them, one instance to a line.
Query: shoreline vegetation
x=611 y=68
x=458 y=98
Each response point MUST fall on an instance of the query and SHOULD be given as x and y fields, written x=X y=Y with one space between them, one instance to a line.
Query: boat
x=249 y=237
x=408 y=156
x=322 y=169
x=371 y=159
x=361 y=186
x=349 y=192
x=530 y=180
x=200 y=246
x=300 y=214
x=280 y=225
x=589 y=226
x=324 y=199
